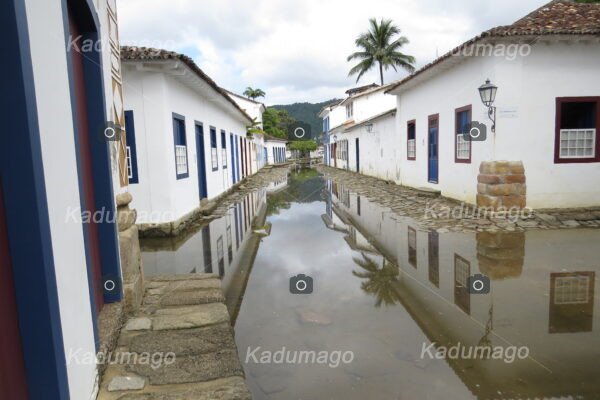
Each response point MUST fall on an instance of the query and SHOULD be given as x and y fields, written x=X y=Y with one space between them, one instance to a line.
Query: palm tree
x=379 y=46
x=254 y=93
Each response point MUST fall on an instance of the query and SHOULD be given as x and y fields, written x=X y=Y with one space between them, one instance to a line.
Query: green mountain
x=307 y=112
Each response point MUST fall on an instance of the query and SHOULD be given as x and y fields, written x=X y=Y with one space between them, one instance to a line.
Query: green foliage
x=276 y=122
x=378 y=46
x=307 y=112
x=304 y=145
x=253 y=128
x=254 y=93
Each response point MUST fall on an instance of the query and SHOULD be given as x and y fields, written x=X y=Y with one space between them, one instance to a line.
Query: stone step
x=189 y=369
x=222 y=389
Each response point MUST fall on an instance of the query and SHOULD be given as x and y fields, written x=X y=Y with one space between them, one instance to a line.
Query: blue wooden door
x=200 y=159
x=433 y=170
x=233 y=161
x=357 y=156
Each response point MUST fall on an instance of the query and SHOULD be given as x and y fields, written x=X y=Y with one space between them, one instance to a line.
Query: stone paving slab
x=185 y=341
x=189 y=316
x=431 y=214
x=222 y=389
x=183 y=317
x=194 y=368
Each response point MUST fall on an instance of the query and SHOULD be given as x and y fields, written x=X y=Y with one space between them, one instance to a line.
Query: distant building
x=206 y=151
x=359 y=124
x=275 y=149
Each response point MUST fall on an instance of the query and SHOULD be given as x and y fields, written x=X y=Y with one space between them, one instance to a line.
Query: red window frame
x=468 y=108
x=408 y=124
x=559 y=102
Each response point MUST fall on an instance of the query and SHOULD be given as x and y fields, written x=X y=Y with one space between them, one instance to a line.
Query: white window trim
x=412 y=148
x=181 y=159
x=584 y=132
x=462 y=147
x=129 y=166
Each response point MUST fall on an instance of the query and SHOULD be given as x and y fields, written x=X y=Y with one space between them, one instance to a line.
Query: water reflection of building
x=277 y=184
x=542 y=297
x=226 y=246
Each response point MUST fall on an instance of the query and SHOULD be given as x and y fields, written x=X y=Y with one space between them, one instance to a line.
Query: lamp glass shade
x=487 y=91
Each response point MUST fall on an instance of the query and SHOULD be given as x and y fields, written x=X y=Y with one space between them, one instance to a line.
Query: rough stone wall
x=131 y=257
x=501 y=185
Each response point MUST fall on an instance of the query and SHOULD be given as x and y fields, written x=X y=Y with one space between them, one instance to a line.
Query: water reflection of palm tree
x=380 y=282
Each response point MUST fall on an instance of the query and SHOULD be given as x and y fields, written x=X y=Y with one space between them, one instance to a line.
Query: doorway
x=433 y=149
x=201 y=161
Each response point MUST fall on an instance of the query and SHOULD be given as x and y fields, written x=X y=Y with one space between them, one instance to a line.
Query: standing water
x=390 y=316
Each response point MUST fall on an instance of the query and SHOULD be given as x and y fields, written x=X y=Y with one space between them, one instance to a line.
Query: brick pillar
x=501 y=185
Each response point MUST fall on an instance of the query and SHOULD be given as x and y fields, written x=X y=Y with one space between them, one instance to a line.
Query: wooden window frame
x=457 y=131
x=412 y=122
x=559 y=102
x=180 y=118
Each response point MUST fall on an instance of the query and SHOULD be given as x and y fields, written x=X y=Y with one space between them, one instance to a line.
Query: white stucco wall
x=153 y=97
x=253 y=109
x=528 y=88
x=378 y=149
x=369 y=105
x=55 y=122
x=270 y=145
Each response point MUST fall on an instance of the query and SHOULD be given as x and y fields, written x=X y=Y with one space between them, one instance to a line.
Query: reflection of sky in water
x=387 y=341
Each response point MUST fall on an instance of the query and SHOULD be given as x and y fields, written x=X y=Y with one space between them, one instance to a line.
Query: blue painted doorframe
x=28 y=223
x=433 y=149
x=233 y=163
x=201 y=161
x=357 y=155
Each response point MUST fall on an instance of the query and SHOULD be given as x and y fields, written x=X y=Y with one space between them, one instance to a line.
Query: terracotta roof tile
x=134 y=53
x=559 y=17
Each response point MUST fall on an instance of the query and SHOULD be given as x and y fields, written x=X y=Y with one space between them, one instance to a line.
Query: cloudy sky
x=295 y=50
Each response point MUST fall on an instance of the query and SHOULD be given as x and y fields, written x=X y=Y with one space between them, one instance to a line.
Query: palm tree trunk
x=381 y=72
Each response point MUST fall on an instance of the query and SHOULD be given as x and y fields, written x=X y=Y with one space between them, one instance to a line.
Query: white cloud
x=296 y=50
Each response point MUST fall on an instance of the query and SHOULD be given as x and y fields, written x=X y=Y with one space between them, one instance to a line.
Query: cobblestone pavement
x=178 y=346
x=433 y=212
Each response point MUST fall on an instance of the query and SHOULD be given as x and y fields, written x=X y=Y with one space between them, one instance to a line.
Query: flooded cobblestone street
x=393 y=291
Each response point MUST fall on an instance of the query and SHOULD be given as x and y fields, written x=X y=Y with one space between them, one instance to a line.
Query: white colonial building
x=545 y=151
x=275 y=150
x=190 y=136
x=360 y=129
x=546 y=67
x=55 y=164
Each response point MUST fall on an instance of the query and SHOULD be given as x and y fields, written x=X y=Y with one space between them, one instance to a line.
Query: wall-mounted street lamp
x=487 y=91
x=334 y=138
x=369 y=128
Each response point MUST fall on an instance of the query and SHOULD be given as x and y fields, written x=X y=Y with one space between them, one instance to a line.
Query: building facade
x=547 y=114
x=59 y=237
x=190 y=136
x=275 y=150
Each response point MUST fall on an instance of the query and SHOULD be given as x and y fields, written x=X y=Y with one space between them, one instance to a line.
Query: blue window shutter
x=130 y=138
